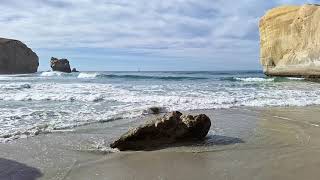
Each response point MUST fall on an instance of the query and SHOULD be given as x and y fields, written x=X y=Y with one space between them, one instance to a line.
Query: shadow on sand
x=12 y=170
x=221 y=140
x=211 y=140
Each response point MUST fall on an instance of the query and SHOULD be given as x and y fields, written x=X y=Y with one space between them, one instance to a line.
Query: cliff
x=16 y=57
x=290 y=41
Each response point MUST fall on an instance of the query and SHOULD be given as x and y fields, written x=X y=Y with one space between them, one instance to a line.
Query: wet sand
x=244 y=143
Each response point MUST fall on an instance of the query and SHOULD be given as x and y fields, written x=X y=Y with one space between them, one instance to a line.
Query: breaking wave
x=51 y=73
x=17 y=86
x=255 y=79
x=95 y=75
x=142 y=77
x=88 y=75
x=56 y=101
x=261 y=79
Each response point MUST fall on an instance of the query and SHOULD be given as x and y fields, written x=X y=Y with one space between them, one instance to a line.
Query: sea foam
x=15 y=86
x=51 y=73
x=62 y=103
x=88 y=75
x=296 y=78
x=255 y=79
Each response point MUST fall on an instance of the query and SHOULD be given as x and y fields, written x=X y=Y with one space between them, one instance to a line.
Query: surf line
x=283 y=118
x=288 y=119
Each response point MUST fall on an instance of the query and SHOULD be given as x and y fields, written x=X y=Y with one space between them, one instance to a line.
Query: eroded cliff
x=290 y=41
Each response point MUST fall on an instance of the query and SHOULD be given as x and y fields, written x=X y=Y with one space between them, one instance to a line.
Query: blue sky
x=147 y=34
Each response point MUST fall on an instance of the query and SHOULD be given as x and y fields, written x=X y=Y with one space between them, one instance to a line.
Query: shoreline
x=243 y=143
x=42 y=103
x=41 y=130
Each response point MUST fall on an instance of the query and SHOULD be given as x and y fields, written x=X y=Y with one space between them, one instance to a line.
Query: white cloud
x=206 y=27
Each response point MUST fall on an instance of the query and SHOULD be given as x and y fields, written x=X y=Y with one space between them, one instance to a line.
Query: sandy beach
x=243 y=143
x=218 y=90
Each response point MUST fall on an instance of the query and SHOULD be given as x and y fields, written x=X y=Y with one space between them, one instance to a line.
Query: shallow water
x=52 y=101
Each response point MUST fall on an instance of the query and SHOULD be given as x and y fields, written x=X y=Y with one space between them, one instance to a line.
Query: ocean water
x=46 y=102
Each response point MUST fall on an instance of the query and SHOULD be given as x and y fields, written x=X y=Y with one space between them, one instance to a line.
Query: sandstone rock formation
x=16 y=57
x=170 y=128
x=61 y=65
x=290 y=41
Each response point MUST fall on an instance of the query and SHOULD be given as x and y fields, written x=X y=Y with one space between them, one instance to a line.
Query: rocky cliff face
x=61 y=65
x=16 y=57
x=290 y=41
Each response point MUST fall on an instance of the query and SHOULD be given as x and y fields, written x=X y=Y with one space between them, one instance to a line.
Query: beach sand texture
x=243 y=143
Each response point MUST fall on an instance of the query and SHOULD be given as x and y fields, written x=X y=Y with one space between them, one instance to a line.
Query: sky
x=150 y=35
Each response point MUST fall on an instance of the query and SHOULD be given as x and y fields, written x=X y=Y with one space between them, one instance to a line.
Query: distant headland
x=17 y=58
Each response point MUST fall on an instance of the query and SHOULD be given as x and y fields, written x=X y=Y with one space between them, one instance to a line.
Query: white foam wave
x=51 y=73
x=255 y=79
x=295 y=78
x=17 y=133
x=51 y=91
x=15 y=86
x=98 y=146
x=88 y=75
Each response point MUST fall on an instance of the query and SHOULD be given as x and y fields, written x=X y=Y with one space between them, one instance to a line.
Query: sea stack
x=61 y=65
x=74 y=70
x=290 y=41
x=17 y=58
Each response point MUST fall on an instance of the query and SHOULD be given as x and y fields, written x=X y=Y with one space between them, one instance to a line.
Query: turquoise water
x=54 y=101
